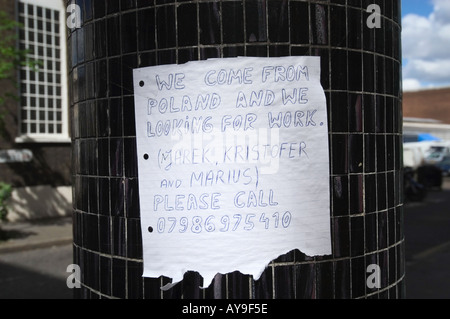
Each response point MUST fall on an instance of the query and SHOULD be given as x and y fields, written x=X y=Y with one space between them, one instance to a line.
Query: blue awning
x=427 y=137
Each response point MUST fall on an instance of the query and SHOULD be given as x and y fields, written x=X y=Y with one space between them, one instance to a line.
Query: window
x=43 y=113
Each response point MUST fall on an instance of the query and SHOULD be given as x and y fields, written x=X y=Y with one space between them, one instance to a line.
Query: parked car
x=430 y=176
x=436 y=157
x=414 y=154
x=436 y=154
x=414 y=191
x=444 y=165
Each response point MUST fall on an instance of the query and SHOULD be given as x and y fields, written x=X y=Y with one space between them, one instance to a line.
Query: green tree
x=11 y=59
x=5 y=194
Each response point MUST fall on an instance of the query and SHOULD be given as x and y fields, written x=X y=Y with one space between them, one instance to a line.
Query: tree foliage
x=5 y=194
x=11 y=59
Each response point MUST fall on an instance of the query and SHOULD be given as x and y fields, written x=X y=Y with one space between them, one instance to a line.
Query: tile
x=233 y=25
x=340 y=196
x=324 y=284
x=358 y=276
x=341 y=237
x=145 y=29
x=128 y=27
x=356 y=189
x=166 y=24
x=355 y=26
x=187 y=25
x=238 y=286
x=338 y=33
x=318 y=19
x=342 y=279
x=209 y=23
x=278 y=21
x=284 y=282
x=134 y=280
x=357 y=234
x=256 y=21
x=118 y=278
x=305 y=283
x=299 y=28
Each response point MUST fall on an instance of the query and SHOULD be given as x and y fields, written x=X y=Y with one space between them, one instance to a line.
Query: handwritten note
x=233 y=164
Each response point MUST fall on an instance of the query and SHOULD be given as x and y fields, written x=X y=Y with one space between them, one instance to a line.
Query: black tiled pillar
x=361 y=69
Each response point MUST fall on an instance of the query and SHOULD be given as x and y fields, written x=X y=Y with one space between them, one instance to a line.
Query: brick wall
x=433 y=104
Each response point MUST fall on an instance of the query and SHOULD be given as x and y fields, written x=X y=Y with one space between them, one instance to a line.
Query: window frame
x=64 y=136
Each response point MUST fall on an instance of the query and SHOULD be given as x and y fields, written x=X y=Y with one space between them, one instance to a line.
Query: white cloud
x=441 y=11
x=426 y=47
x=415 y=36
x=436 y=70
x=411 y=85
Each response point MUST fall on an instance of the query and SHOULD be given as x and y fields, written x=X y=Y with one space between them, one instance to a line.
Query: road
x=427 y=237
x=36 y=274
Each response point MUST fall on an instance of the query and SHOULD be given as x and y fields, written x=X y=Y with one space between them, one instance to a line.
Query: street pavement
x=33 y=262
x=36 y=274
x=427 y=238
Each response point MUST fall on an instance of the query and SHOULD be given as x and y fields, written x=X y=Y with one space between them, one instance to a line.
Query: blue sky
x=426 y=44
x=421 y=7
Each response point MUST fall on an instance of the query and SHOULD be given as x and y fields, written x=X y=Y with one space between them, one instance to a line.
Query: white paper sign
x=233 y=164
